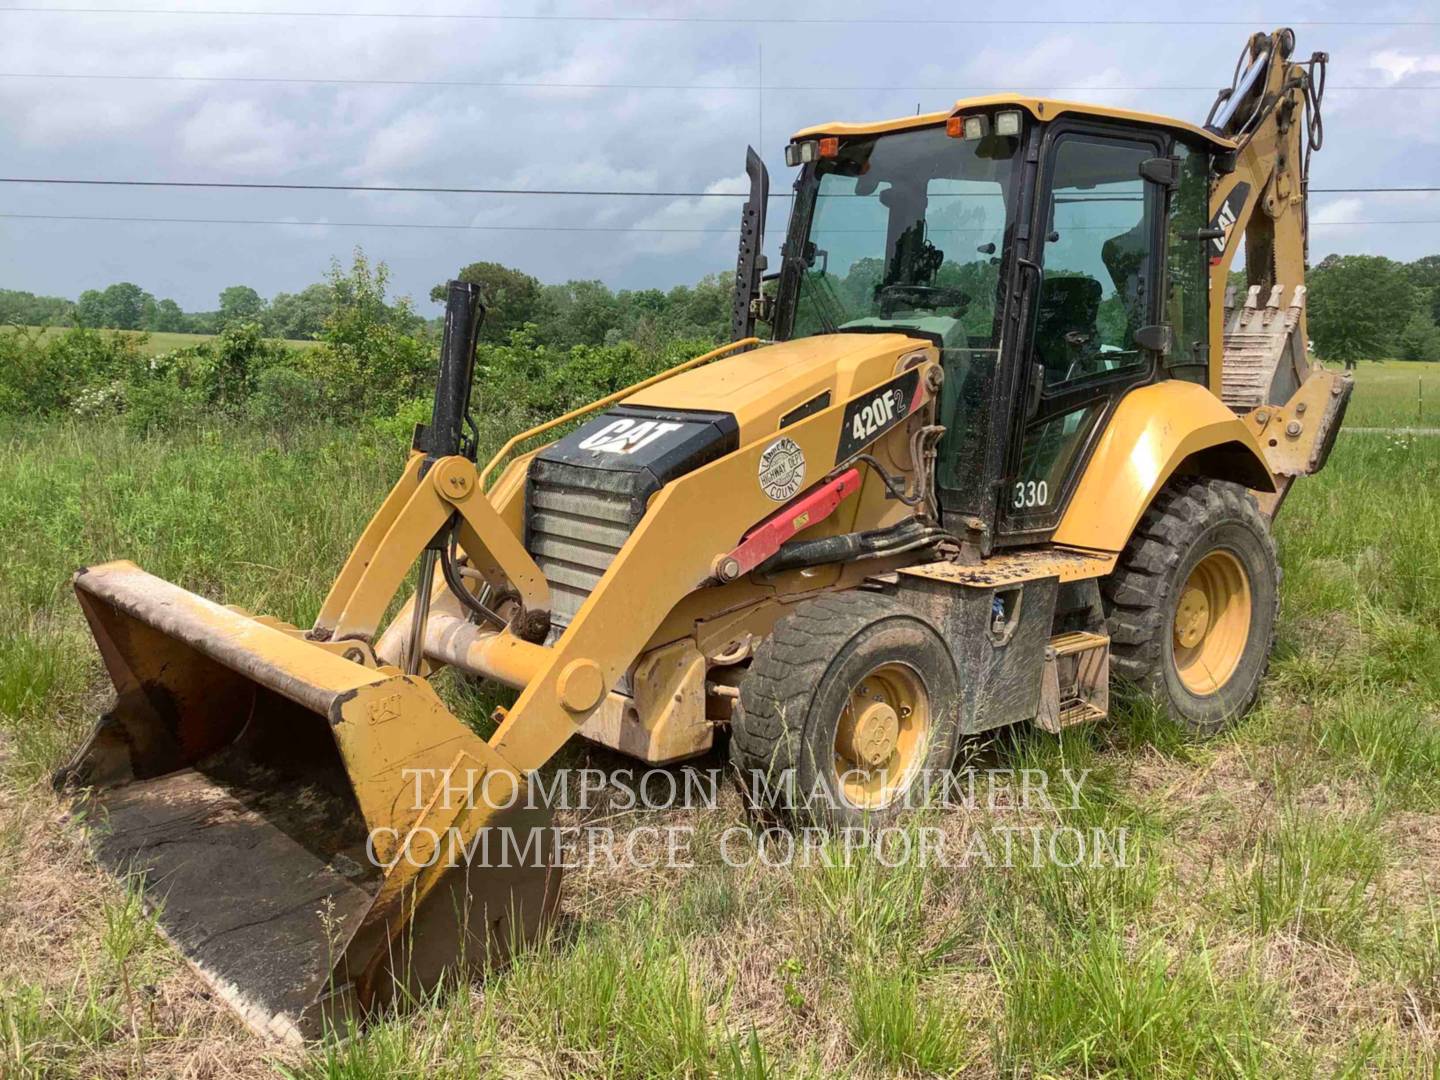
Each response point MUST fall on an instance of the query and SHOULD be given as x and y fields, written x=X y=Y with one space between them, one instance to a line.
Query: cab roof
x=1040 y=108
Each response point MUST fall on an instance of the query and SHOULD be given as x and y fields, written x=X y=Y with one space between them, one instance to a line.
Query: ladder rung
x=1078 y=641
x=1080 y=712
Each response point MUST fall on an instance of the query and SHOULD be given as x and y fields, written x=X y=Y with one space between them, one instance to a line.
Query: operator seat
x=1065 y=329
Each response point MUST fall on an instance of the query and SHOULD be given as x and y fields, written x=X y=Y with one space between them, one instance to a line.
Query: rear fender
x=1155 y=432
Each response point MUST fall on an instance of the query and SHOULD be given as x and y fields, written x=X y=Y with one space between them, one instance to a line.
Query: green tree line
x=563 y=315
x=544 y=350
x=1360 y=307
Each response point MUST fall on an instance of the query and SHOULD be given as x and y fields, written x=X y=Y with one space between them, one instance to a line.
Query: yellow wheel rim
x=1212 y=623
x=882 y=736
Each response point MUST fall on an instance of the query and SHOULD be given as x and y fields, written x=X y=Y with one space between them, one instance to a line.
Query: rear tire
x=1192 y=603
x=856 y=697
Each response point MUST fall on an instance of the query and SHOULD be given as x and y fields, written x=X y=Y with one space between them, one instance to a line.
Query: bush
x=285 y=397
x=43 y=373
x=222 y=377
x=547 y=381
x=99 y=402
x=375 y=354
x=162 y=404
x=400 y=426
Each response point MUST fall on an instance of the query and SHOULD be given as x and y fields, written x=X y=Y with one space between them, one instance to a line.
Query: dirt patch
x=53 y=902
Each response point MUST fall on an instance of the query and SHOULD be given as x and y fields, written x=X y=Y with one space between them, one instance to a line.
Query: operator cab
x=1050 y=251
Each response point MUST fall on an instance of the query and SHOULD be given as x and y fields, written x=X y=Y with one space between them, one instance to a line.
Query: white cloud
x=696 y=214
x=1398 y=65
x=1336 y=210
x=399 y=143
x=241 y=136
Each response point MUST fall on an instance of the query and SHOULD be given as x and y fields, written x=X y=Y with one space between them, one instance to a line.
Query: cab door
x=1092 y=315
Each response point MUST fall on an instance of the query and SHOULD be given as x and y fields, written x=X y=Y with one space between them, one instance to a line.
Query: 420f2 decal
x=871 y=415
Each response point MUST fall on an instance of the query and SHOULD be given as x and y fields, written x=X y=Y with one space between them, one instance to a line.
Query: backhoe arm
x=1259 y=356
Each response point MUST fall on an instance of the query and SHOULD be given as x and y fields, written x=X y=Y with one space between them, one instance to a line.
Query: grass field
x=156 y=341
x=1278 y=914
x=1396 y=393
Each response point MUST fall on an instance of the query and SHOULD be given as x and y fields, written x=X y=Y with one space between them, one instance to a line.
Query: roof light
x=802 y=153
x=829 y=146
x=968 y=128
x=1007 y=122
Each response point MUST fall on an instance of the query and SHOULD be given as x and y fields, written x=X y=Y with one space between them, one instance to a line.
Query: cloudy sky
x=631 y=96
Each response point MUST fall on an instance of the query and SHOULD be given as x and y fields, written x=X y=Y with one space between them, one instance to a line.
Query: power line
x=372 y=224
x=499 y=228
x=520 y=84
x=417 y=189
x=391 y=188
x=701 y=19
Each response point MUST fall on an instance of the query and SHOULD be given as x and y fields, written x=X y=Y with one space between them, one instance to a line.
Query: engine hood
x=765 y=388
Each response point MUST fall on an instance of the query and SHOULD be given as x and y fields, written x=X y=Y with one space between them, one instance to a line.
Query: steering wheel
x=892 y=297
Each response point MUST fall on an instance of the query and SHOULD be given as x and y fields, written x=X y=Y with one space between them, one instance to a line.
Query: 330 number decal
x=1030 y=493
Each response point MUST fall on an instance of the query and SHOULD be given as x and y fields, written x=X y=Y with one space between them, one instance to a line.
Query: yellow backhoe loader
x=1012 y=434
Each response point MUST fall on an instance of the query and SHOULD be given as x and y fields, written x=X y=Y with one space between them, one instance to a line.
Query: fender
x=1154 y=431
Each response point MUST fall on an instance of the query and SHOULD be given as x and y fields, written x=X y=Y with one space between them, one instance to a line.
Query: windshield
x=907 y=231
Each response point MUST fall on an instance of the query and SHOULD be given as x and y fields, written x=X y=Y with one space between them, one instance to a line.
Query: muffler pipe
x=445 y=436
x=464 y=313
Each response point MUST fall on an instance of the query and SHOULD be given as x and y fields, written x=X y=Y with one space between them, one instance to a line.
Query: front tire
x=1192 y=603
x=856 y=698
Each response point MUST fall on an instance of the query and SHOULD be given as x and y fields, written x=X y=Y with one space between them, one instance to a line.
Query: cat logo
x=626 y=435
x=1224 y=221
x=782 y=469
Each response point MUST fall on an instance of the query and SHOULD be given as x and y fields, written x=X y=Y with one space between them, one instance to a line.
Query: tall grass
x=1283 y=840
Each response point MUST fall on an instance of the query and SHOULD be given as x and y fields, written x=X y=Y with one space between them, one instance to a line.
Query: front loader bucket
x=304 y=825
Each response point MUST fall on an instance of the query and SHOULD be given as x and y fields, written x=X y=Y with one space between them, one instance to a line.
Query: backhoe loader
x=1011 y=435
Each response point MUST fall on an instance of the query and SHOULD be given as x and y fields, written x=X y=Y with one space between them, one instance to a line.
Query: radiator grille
x=576 y=524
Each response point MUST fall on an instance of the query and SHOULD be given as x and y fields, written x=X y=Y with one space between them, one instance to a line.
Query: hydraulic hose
x=848 y=547
x=450 y=568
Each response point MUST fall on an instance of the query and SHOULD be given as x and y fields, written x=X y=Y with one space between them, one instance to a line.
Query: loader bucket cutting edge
x=259 y=787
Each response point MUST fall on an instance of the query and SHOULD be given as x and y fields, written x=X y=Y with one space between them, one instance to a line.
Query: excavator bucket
x=318 y=836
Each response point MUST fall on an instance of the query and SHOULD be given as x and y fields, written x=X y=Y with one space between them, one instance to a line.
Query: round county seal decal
x=782 y=469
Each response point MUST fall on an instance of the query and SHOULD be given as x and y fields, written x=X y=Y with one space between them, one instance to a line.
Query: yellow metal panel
x=390 y=562
x=760 y=386
x=1040 y=108
x=1151 y=432
x=1295 y=435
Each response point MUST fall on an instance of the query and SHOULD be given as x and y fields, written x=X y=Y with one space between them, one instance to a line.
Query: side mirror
x=1164 y=171
x=1157 y=338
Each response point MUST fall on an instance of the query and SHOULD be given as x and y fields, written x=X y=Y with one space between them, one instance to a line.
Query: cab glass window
x=1098 y=233
x=908 y=230
x=1187 y=263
